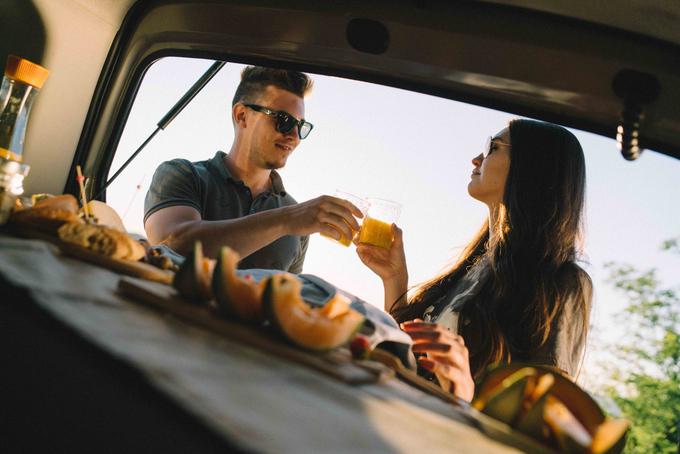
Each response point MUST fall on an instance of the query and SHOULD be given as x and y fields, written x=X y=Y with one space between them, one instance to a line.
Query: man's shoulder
x=288 y=199
x=185 y=167
x=176 y=164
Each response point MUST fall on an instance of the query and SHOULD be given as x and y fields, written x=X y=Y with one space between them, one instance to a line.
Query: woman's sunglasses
x=489 y=145
x=285 y=122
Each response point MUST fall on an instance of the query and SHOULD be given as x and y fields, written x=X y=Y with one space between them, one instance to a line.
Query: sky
x=376 y=141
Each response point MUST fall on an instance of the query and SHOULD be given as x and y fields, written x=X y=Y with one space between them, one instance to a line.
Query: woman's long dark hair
x=533 y=270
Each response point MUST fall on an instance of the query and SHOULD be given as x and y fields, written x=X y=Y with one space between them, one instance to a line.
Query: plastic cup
x=377 y=226
x=360 y=203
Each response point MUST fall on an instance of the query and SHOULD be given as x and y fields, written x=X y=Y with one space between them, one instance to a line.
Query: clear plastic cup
x=377 y=226
x=360 y=203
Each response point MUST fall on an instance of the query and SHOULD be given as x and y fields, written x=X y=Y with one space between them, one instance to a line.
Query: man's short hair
x=255 y=80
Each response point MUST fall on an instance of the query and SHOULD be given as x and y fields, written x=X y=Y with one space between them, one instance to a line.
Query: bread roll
x=44 y=219
x=130 y=248
x=103 y=240
x=64 y=202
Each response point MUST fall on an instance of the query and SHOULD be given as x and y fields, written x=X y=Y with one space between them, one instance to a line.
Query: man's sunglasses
x=285 y=122
x=489 y=145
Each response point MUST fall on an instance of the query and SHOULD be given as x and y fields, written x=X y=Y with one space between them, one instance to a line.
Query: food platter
x=337 y=363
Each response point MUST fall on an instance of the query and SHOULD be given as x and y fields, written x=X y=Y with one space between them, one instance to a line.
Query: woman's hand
x=388 y=264
x=446 y=356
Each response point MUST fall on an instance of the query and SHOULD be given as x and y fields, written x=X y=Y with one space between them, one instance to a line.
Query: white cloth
x=467 y=288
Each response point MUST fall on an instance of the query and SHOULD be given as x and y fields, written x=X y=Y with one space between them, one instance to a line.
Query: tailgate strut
x=172 y=113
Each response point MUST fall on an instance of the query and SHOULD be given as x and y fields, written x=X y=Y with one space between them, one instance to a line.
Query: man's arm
x=180 y=226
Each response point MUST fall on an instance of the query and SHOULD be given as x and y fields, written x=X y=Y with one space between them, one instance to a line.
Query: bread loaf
x=65 y=202
x=47 y=215
x=104 y=240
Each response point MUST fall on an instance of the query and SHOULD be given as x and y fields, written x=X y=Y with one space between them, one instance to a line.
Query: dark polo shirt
x=208 y=187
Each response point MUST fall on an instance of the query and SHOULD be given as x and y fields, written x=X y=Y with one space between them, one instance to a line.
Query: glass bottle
x=23 y=80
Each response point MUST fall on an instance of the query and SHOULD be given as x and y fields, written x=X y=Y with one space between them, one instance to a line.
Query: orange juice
x=360 y=203
x=377 y=233
x=343 y=239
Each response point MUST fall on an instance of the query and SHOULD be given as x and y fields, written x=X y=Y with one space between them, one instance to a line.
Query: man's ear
x=238 y=115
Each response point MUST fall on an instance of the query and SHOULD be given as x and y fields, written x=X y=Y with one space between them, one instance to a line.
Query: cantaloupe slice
x=336 y=306
x=610 y=437
x=192 y=281
x=531 y=421
x=318 y=329
x=235 y=296
x=570 y=434
x=504 y=402
x=579 y=403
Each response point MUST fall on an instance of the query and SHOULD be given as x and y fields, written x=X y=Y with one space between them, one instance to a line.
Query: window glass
x=377 y=141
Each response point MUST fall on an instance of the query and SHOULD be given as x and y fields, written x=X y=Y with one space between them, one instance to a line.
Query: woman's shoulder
x=577 y=280
x=577 y=284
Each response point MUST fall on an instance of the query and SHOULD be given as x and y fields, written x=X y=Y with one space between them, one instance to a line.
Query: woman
x=516 y=292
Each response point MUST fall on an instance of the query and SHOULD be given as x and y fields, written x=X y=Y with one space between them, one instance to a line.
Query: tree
x=645 y=382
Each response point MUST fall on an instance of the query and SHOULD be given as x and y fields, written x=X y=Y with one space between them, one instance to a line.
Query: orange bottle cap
x=22 y=70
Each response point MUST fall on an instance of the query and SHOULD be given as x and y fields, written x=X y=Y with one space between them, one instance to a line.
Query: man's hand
x=446 y=356
x=331 y=216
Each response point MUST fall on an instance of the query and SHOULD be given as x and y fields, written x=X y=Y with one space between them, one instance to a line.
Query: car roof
x=557 y=61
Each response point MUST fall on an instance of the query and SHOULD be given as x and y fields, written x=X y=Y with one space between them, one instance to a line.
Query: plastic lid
x=25 y=71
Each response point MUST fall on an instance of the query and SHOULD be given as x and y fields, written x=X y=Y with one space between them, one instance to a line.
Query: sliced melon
x=579 y=403
x=610 y=437
x=192 y=281
x=531 y=421
x=235 y=296
x=572 y=437
x=504 y=402
x=318 y=329
x=336 y=306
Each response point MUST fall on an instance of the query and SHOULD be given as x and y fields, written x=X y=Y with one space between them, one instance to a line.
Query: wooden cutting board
x=337 y=363
x=128 y=267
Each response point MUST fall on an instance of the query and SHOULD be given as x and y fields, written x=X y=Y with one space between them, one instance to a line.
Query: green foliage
x=646 y=384
x=672 y=245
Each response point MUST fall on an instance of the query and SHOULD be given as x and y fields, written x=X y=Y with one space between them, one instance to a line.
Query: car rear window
x=377 y=141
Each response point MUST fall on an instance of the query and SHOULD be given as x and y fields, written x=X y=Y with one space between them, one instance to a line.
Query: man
x=238 y=199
